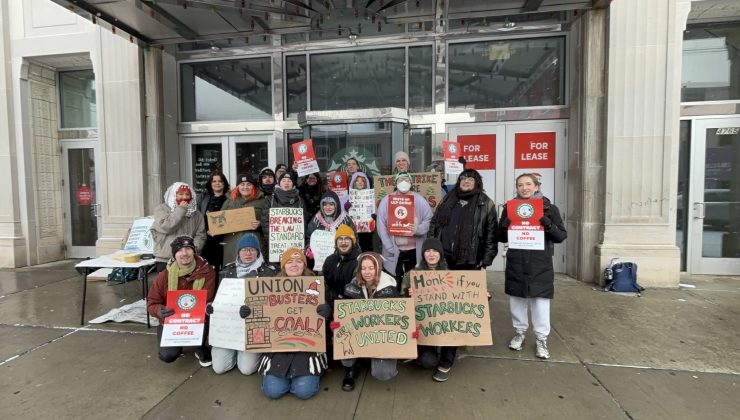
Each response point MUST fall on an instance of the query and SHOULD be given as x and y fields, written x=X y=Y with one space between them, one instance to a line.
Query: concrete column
x=642 y=129
x=12 y=243
x=123 y=178
x=154 y=129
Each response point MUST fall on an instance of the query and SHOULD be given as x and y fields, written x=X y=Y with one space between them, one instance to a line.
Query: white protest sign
x=322 y=245
x=227 y=327
x=362 y=210
x=140 y=237
x=286 y=230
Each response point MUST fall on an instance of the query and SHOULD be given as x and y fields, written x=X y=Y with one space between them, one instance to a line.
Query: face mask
x=404 y=186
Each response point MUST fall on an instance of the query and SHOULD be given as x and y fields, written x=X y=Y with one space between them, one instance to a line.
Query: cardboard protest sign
x=140 y=236
x=535 y=153
x=322 y=245
x=401 y=215
x=451 y=307
x=286 y=230
x=362 y=210
x=452 y=156
x=379 y=328
x=284 y=314
x=305 y=158
x=226 y=329
x=185 y=327
x=338 y=183
x=525 y=230
x=428 y=184
x=228 y=221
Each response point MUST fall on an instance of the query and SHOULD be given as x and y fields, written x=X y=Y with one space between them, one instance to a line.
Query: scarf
x=286 y=198
x=174 y=272
x=243 y=269
x=170 y=198
x=459 y=224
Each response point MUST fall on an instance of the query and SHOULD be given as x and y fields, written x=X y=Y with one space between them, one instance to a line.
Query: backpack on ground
x=621 y=277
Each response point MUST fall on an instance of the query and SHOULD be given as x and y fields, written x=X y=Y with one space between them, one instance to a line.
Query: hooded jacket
x=339 y=270
x=319 y=220
x=171 y=221
x=422 y=215
x=386 y=284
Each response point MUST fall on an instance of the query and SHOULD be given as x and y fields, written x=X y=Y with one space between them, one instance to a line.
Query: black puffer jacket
x=485 y=229
x=529 y=273
x=339 y=270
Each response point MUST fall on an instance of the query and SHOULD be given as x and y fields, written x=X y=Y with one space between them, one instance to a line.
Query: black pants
x=365 y=240
x=170 y=354
x=406 y=262
x=431 y=356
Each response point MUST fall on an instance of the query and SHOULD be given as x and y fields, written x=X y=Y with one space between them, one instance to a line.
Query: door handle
x=698 y=210
x=95 y=210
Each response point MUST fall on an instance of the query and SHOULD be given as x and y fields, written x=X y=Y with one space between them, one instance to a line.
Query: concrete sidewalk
x=670 y=354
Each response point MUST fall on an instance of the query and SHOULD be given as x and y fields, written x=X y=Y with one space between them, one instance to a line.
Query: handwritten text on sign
x=452 y=307
x=362 y=210
x=284 y=314
x=379 y=328
x=428 y=184
x=286 y=230
x=226 y=329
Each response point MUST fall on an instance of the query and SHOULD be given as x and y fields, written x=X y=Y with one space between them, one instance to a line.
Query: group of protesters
x=462 y=233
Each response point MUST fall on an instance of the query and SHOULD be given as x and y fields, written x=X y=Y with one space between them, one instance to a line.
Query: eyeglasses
x=466 y=178
x=248 y=250
x=344 y=239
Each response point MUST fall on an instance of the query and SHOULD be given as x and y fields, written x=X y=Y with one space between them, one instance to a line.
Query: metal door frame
x=73 y=251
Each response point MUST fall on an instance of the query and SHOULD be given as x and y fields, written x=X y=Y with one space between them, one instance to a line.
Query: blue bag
x=621 y=277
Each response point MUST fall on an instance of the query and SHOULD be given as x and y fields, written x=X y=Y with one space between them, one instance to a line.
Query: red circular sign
x=84 y=195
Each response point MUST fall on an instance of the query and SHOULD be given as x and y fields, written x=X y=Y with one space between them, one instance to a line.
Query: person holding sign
x=530 y=277
x=285 y=196
x=246 y=194
x=370 y=282
x=213 y=199
x=467 y=224
x=360 y=182
x=311 y=190
x=402 y=239
x=249 y=263
x=327 y=220
x=340 y=267
x=295 y=372
x=186 y=271
x=177 y=216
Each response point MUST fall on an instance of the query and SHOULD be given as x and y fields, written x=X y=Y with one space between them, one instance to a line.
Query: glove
x=309 y=253
x=244 y=311
x=505 y=223
x=209 y=309
x=374 y=216
x=462 y=160
x=165 y=312
x=545 y=222
x=347 y=206
x=415 y=334
x=323 y=310
x=334 y=325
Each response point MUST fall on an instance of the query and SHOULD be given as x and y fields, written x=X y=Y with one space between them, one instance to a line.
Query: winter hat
x=432 y=243
x=182 y=242
x=184 y=188
x=246 y=177
x=285 y=175
x=266 y=171
x=344 y=230
x=248 y=240
x=401 y=155
x=289 y=254
x=281 y=166
x=401 y=175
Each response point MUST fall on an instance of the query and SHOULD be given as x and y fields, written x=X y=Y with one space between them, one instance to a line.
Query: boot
x=350 y=374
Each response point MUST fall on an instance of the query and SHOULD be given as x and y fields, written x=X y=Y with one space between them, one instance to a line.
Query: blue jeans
x=303 y=387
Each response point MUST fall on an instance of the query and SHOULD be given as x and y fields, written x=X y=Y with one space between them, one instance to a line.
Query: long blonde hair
x=377 y=261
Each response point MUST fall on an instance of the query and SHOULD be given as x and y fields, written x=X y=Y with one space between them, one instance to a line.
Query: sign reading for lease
x=305 y=158
x=185 y=327
x=284 y=314
x=401 y=215
x=525 y=230
x=452 y=307
x=286 y=230
x=378 y=328
x=535 y=153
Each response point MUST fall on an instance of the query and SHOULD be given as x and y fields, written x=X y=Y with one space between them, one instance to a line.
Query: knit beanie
x=289 y=254
x=432 y=243
x=344 y=230
x=182 y=242
x=401 y=155
x=401 y=175
x=283 y=176
x=246 y=177
x=248 y=240
x=266 y=171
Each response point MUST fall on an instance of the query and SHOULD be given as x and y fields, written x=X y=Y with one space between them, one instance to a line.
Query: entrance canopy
x=223 y=23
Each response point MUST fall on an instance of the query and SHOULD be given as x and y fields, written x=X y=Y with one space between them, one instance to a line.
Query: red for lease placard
x=479 y=151
x=534 y=150
x=525 y=230
x=401 y=215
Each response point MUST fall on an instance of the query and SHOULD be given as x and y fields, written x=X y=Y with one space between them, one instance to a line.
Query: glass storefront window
x=420 y=149
x=226 y=90
x=358 y=79
x=421 y=78
x=206 y=159
x=711 y=63
x=296 y=77
x=77 y=99
x=506 y=74
x=682 y=203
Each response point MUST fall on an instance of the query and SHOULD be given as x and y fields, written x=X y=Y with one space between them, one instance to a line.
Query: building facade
x=627 y=110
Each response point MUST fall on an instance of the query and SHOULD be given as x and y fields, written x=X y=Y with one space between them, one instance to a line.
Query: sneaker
x=204 y=357
x=542 y=352
x=440 y=375
x=517 y=341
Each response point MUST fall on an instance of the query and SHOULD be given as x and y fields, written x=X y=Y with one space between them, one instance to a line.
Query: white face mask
x=403 y=186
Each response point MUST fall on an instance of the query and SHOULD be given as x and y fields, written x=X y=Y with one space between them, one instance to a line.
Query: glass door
x=82 y=214
x=714 y=241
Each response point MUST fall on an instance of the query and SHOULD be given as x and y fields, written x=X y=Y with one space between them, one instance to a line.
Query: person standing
x=285 y=196
x=186 y=271
x=177 y=216
x=402 y=163
x=360 y=181
x=327 y=219
x=217 y=187
x=311 y=190
x=402 y=252
x=246 y=194
x=466 y=223
x=267 y=181
x=529 y=275
x=340 y=267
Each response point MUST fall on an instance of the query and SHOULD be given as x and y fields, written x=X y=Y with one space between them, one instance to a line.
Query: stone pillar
x=12 y=243
x=154 y=129
x=119 y=69
x=642 y=133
